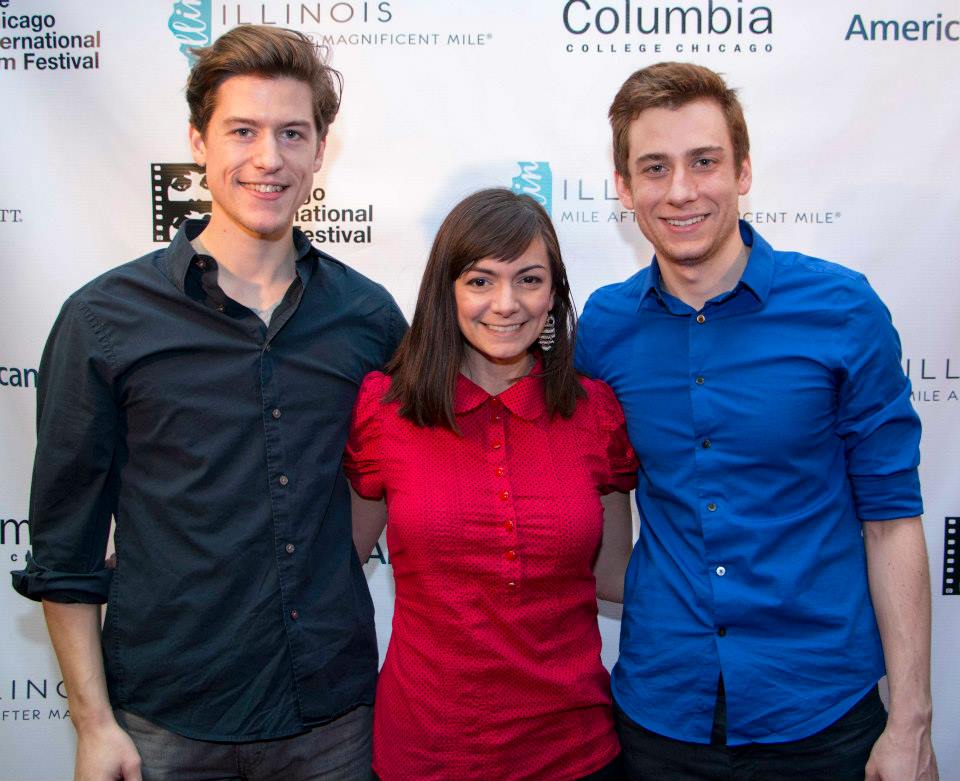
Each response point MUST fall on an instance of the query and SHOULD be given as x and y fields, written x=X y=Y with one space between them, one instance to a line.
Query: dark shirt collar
x=180 y=253
x=757 y=276
x=525 y=398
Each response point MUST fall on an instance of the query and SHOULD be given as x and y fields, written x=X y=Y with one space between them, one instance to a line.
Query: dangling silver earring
x=548 y=335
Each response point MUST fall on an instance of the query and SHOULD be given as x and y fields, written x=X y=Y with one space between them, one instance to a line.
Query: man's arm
x=71 y=502
x=899 y=579
x=104 y=751
x=615 y=548
x=369 y=518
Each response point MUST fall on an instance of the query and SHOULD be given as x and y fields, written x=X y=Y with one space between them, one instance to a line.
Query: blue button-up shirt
x=768 y=424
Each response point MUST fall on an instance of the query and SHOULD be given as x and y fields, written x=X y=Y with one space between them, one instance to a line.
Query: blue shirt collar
x=757 y=276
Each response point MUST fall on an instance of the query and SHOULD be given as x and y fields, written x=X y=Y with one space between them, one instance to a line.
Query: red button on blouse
x=475 y=686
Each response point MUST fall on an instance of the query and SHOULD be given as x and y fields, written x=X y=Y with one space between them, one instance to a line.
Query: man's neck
x=697 y=284
x=255 y=271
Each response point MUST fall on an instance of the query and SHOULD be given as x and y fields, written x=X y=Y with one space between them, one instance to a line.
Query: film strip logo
x=179 y=192
x=951 y=531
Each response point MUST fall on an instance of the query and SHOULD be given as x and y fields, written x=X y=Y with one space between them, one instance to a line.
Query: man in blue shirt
x=781 y=568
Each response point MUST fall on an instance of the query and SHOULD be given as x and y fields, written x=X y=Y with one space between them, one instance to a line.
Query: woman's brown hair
x=494 y=223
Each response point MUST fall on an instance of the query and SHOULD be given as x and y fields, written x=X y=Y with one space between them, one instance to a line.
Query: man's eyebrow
x=256 y=123
x=705 y=150
x=650 y=157
x=696 y=152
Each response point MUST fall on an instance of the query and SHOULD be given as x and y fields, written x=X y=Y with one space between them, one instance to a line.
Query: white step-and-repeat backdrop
x=854 y=119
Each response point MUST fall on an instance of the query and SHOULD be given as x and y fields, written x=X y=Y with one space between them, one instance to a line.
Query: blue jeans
x=338 y=751
x=837 y=753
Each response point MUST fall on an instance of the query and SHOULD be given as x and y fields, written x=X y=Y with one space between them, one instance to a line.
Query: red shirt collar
x=525 y=398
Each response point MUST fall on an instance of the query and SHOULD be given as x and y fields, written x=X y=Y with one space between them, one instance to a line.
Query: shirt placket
x=711 y=505
x=281 y=480
x=504 y=500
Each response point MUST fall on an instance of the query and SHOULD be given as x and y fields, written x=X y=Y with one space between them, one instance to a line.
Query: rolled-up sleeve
x=74 y=489
x=876 y=419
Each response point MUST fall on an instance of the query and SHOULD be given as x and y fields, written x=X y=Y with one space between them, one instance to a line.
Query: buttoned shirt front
x=238 y=609
x=768 y=425
x=493 y=669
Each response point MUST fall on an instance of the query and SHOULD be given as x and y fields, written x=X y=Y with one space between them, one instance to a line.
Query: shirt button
x=699 y=381
x=721 y=571
x=201 y=264
x=701 y=318
x=500 y=471
x=722 y=631
x=712 y=507
x=706 y=443
x=512 y=586
x=508 y=525
x=496 y=445
x=294 y=615
x=276 y=414
x=289 y=547
x=283 y=479
x=510 y=555
x=504 y=495
x=220 y=307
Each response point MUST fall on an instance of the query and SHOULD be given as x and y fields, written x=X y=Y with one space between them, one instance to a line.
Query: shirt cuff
x=37 y=582
x=887 y=497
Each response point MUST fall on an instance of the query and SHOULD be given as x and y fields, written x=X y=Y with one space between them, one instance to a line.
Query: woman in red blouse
x=492 y=456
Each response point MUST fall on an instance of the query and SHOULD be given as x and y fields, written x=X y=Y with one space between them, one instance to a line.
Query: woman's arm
x=611 y=564
x=369 y=518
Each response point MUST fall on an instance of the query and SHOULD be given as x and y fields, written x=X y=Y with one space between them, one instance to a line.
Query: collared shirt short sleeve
x=769 y=424
x=364 y=453
x=617 y=470
x=493 y=668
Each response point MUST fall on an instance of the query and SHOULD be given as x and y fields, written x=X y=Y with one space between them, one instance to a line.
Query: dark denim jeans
x=338 y=751
x=837 y=753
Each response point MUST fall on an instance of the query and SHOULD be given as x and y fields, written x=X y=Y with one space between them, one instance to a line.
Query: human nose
x=504 y=300
x=267 y=153
x=682 y=187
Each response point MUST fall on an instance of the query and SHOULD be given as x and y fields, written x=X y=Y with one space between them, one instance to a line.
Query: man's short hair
x=270 y=52
x=672 y=85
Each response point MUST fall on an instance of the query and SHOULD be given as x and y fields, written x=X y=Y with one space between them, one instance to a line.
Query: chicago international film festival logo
x=536 y=180
x=179 y=193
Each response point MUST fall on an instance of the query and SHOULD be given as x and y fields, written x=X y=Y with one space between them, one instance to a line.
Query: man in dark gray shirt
x=201 y=396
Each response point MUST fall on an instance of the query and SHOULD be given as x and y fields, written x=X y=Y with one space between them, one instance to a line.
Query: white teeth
x=684 y=223
x=265 y=188
x=503 y=329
